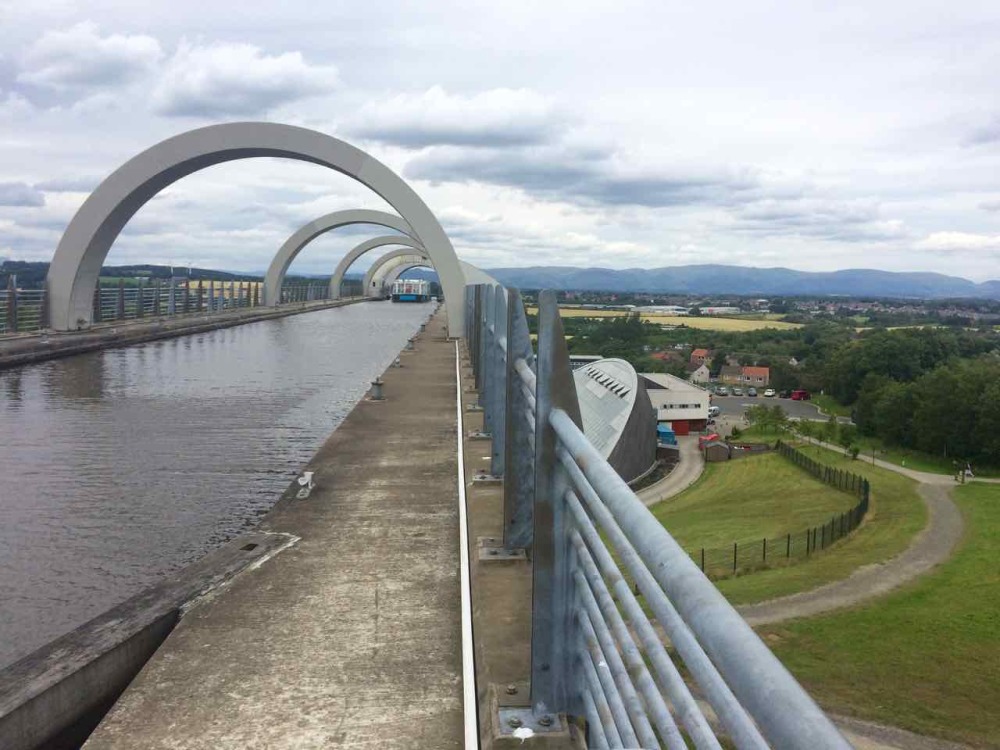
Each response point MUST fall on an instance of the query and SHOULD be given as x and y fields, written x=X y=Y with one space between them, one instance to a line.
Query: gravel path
x=932 y=546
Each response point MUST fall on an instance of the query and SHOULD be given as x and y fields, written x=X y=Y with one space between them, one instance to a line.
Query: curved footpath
x=932 y=546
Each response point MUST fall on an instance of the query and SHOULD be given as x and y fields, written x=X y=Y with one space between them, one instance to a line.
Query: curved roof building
x=618 y=417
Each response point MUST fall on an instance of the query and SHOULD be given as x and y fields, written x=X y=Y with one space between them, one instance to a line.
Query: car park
x=752 y=392
x=769 y=393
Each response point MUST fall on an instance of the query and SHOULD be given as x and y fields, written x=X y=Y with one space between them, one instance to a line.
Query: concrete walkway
x=931 y=547
x=352 y=636
x=685 y=473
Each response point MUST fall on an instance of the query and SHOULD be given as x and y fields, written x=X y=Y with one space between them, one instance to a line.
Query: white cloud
x=496 y=117
x=79 y=59
x=960 y=242
x=227 y=80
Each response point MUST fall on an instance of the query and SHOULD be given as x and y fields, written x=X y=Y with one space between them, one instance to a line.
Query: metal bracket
x=473 y=407
x=523 y=723
x=481 y=477
x=479 y=435
x=491 y=549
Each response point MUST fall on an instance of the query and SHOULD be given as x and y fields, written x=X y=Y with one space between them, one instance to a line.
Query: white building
x=681 y=404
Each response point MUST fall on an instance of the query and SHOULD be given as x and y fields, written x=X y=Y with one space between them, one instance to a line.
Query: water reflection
x=118 y=467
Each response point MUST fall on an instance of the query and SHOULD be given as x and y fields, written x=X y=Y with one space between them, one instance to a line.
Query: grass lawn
x=926 y=658
x=704 y=322
x=830 y=405
x=745 y=499
x=895 y=516
x=912 y=459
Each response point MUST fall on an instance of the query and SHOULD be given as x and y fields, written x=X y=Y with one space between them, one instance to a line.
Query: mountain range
x=767 y=282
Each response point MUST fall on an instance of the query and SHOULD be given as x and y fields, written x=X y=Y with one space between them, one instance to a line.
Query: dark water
x=121 y=466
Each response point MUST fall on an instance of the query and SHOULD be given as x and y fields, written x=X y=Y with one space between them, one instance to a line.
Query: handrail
x=596 y=653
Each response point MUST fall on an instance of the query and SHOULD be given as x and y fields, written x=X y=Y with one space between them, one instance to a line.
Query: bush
x=855 y=450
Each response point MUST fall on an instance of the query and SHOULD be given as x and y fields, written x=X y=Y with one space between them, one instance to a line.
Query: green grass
x=916 y=460
x=748 y=499
x=894 y=517
x=760 y=435
x=925 y=658
x=830 y=405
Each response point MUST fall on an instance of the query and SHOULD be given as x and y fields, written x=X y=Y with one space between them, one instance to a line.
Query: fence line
x=24 y=310
x=595 y=652
x=762 y=552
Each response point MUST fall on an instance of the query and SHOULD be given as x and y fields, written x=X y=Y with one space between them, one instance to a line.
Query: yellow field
x=705 y=323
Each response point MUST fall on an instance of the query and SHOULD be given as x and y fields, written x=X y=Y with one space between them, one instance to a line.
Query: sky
x=807 y=135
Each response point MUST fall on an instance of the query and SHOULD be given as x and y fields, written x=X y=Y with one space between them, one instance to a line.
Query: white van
x=713 y=411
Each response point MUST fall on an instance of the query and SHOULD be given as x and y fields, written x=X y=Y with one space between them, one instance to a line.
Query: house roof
x=694 y=366
x=699 y=353
x=732 y=370
x=763 y=372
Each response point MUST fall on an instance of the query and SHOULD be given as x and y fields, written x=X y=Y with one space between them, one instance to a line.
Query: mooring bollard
x=409 y=345
x=377 y=390
x=397 y=363
x=423 y=327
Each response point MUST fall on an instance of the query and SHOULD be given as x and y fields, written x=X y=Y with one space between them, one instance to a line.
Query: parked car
x=737 y=391
x=752 y=393
x=769 y=393
x=801 y=395
x=784 y=394
x=721 y=391
x=713 y=411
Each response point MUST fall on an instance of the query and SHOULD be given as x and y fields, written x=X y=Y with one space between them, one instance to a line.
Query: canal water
x=121 y=466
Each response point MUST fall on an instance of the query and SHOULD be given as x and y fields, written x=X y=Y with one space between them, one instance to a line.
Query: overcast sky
x=616 y=134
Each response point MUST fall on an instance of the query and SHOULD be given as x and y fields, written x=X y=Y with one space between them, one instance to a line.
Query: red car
x=801 y=395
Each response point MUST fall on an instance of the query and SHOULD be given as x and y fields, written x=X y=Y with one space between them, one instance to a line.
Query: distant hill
x=702 y=279
x=719 y=279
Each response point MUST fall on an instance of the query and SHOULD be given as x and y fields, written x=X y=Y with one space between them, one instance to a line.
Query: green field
x=926 y=658
x=748 y=498
x=895 y=516
x=704 y=322
x=912 y=459
x=830 y=405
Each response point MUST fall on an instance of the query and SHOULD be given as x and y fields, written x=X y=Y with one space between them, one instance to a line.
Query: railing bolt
x=512 y=689
x=513 y=722
x=545 y=721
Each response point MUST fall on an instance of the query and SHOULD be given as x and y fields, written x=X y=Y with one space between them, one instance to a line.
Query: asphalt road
x=734 y=406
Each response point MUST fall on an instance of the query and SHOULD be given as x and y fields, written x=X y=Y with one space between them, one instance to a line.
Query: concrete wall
x=54 y=697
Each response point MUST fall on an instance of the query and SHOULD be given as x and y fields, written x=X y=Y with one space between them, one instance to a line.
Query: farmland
x=705 y=323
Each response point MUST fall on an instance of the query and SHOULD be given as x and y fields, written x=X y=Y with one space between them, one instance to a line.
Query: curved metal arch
x=294 y=244
x=394 y=273
x=382 y=261
x=386 y=265
x=348 y=260
x=88 y=237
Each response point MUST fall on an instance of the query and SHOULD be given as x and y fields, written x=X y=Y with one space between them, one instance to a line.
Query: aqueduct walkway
x=351 y=636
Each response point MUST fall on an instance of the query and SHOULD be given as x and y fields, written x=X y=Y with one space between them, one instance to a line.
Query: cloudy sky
x=814 y=136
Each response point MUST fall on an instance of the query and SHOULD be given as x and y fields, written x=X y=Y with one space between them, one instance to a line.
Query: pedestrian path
x=931 y=547
x=352 y=636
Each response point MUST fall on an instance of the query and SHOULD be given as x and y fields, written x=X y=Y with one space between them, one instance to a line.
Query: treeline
x=31 y=275
x=952 y=410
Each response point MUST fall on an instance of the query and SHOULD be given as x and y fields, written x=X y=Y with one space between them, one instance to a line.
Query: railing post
x=552 y=623
x=232 y=294
x=487 y=396
x=139 y=302
x=199 y=296
x=97 y=302
x=120 y=305
x=498 y=396
x=519 y=461
x=12 y=304
x=172 y=297
x=211 y=295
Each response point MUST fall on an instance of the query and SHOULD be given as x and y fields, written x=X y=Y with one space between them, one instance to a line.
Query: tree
x=830 y=430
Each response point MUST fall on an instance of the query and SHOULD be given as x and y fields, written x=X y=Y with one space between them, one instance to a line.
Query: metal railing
x=595 y=653
x=24 y=310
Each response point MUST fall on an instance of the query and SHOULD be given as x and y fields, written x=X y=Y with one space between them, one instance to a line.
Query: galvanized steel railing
x=596 y=653
x=24 y=310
